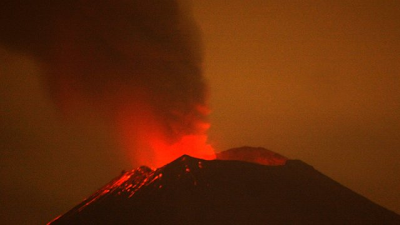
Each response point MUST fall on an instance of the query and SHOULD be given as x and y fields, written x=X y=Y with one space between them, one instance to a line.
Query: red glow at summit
x=146 y=141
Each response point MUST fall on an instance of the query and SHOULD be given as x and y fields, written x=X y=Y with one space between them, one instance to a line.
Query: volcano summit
x=196 y=191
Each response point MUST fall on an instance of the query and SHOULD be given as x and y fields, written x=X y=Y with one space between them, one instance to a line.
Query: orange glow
x=193 y=145
x=147 y=142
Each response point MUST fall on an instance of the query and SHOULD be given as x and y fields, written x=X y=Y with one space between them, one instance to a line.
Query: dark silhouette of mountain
x=195 y=191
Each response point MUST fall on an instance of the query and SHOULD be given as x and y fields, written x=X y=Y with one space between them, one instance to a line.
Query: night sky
x=312 y=80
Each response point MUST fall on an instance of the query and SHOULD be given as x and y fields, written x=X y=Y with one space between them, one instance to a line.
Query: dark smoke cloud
x=109 y=56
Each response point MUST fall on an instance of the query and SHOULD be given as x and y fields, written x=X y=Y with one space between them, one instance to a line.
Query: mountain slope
x=195 y=191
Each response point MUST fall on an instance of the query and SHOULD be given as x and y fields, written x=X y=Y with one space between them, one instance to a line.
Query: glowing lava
x=148 y=139
x=193 y=145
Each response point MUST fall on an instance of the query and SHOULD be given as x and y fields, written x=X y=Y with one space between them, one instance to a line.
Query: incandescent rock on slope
x=195 y=191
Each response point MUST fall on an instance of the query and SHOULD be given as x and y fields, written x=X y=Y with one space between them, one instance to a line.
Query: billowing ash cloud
x=137 y=62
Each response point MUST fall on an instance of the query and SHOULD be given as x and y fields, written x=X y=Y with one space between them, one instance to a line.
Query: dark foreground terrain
x=195 y=191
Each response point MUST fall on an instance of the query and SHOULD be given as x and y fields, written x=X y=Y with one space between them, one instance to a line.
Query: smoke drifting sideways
x=134 y=63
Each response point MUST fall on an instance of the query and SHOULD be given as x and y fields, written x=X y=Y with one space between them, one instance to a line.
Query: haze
x=312 y=80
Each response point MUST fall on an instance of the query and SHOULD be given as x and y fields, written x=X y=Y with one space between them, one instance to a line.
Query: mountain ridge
x=195 y=191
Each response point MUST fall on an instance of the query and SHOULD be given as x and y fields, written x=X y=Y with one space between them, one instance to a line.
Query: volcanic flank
x=195 y=191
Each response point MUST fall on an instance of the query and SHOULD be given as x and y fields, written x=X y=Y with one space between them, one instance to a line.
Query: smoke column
x=136 y=63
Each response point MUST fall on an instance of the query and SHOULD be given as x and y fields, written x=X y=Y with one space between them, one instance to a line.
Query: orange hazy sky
x=312 y=80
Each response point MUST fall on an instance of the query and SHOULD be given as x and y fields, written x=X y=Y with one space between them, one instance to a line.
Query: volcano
x=195 y=191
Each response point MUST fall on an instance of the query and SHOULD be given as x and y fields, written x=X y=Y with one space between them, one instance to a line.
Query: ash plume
x=137 y=63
